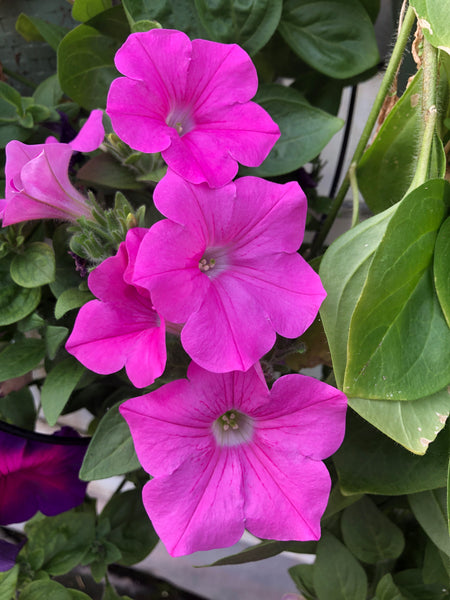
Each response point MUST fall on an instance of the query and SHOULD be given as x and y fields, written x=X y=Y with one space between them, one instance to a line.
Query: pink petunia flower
x=37 y=181
x=191 y=102
x=226 y=454
x=121 y=328
x=225 y=263
x=38 y=475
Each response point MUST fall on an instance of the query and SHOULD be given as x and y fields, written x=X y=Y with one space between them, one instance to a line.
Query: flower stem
x=355 y=194
x=19 y=77
x=391 y=71
x=429 y=111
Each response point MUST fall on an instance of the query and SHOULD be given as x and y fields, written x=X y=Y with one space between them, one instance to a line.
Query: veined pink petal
x=91 y=134
x=285 y=494
x=229 y=331
x=200 y=505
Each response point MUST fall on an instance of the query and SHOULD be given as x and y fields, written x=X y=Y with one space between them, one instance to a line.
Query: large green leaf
x=412 y=424
x=442 y=269
x=323 y=33
x=58 y=385
x=86 y=66
x=35 y=266
x=111 y=451
x=399 y=342
x=433 y=18
x=250 y=24
x=33 y=28
x=111 y=22
x=15 y=302
x=369 y=462
x=369 y=534
x=305 y=130
x=83 y=10
x=343 y=271
x=337 y=573
x=430 y=509
x=21 y=357
x=46 y=589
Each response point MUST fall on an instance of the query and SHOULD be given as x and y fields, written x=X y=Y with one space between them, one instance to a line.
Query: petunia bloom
x=37 y=180
x=38 y=475
x=121 y=328
x=225 y=263
x=226 y=454
x=191 y=102
x=8 y=554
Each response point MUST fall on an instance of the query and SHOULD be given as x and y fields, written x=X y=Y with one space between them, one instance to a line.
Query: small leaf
x=46 y=589
x=58 y=385
x=15 y=302
x=48 y=92
x=337 y=573
x=8 y=581
x=111 y=451
x=35 y=266
x=70 y=299
x=83 y=10
x=368 y=462
x=18 y=408
x=33 y=28
x=305 y=130
x=324 y=36
x=111 y=22
x=54 y=337
x=265 y=550
x=387 y=590
x=171 y=14
x=303 y=577
x=369 y=534
x=86 y=66
x=21 y=357
x=441 y=268
x=430 y=509
x=250 y=25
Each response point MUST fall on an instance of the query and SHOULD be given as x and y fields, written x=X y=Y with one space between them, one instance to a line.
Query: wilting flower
x=191 y=102
x=226 y=454
x=121 y=328
x=37 y=180
x=38 y=475
x=225 y=264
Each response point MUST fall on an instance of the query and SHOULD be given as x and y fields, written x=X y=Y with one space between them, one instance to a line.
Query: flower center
x=181 y=120
x=233 y=428
x=205 y=265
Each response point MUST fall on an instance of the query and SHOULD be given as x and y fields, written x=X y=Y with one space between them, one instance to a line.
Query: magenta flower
x=226 y=454
x=38 y=476
x=191 y=102
x=37 y=181
x=121 y=328
x=225 y=264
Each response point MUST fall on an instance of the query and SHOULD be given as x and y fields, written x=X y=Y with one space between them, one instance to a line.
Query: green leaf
x=86 y=66
x=70 y=299
x=47 y=589
x=430 y=509
x=111 y=451
x=265 y=550
x=337 y=573
x=441 y=268
x=54 y=337
x=11 y=116
x=369 y=462
x=324 y=35
x=399 y=342
x=21 y=357
x=105 y=171
x=58 y=385
x=412 y=424
x=66 y=275
x=305 y=130
x=372 y=7
x=35 y=29
x=387 y=590
x=83 y=10
x=8 y=581
x=131 y=530
x=18 y=408
x=303 y=577
x=392 y=152
x=369 y=534
x=111 y=22
x=62 y=541
x=433 y=18
x=49 y=92
x=35 y=266
x=343 y=271
x=15 y=302
x=436 y=565
x=411 y=585
x=250 y=24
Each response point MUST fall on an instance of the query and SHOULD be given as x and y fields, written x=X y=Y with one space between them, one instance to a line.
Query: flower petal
x=91 y=134
x=200 y=505
x=285 y=493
